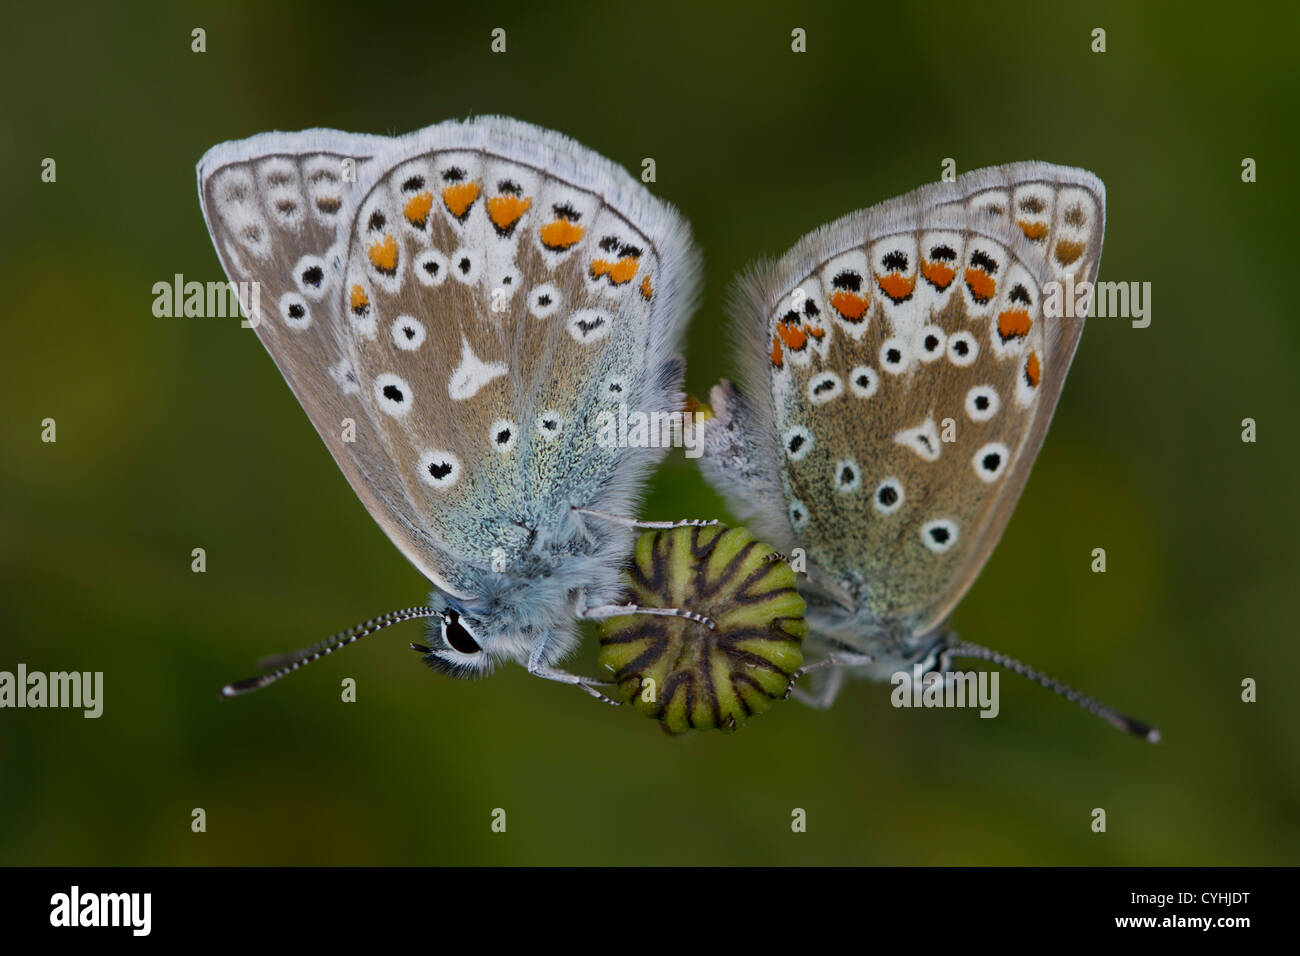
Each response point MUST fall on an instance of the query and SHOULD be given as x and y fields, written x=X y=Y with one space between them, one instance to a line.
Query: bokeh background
x=179 y=433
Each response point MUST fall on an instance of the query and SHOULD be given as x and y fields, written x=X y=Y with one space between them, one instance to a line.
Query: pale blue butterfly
x=454 y=309
x=900 y=367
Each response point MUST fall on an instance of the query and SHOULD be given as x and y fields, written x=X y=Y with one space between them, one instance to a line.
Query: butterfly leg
x=647 y=525
x=619 y=610
x=830 y=689
x=824 y=697
x=538 y=669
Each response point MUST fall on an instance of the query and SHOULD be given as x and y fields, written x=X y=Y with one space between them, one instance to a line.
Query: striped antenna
x=286 y=664
x=1113 y=717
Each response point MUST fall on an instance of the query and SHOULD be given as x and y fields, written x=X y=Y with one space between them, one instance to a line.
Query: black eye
x=456 y=635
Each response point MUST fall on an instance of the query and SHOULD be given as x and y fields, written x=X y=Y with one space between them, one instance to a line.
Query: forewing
x=903 y=364
x=280 y=208
x=502 y=295
x=458 y=319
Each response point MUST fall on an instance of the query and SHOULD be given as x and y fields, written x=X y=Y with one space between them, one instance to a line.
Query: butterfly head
x=468 y=638
x=459 y=643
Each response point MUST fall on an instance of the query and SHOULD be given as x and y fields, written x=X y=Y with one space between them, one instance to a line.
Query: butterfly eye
x=457 y=636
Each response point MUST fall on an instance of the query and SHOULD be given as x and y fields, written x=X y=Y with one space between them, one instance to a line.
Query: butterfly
x=899 y=369
x=453 y=309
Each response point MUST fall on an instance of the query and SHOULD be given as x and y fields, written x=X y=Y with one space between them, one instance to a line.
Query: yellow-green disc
x=684 y=674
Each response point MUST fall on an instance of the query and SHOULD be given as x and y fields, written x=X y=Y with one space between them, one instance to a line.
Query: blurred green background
x=179 y=433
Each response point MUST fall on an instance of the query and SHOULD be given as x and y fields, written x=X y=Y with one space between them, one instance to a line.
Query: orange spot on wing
x=383 y=255
x=895 y=286
x=777 y=359
x=981 y=284
x=560 y=234
x=459 y=197
x=1033 y=230
x=647 y=290
x=850 y=305
x=1068 y=252
x=618 y=272
x=417 y=209
x=1033 y=372
x=793 y=336
x=816 y=333
x=506 y=210
x=938 y=274
x=357 y=299
x=1014 y=324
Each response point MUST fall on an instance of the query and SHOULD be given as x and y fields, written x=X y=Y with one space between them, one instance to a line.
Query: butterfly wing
x=485 y=289
x=900 y=375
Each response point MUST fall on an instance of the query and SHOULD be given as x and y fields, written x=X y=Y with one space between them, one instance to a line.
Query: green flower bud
x=683 y=673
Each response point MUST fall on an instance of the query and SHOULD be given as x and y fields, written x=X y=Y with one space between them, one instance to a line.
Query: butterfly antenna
x=1113 y=717
x=286 y=664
